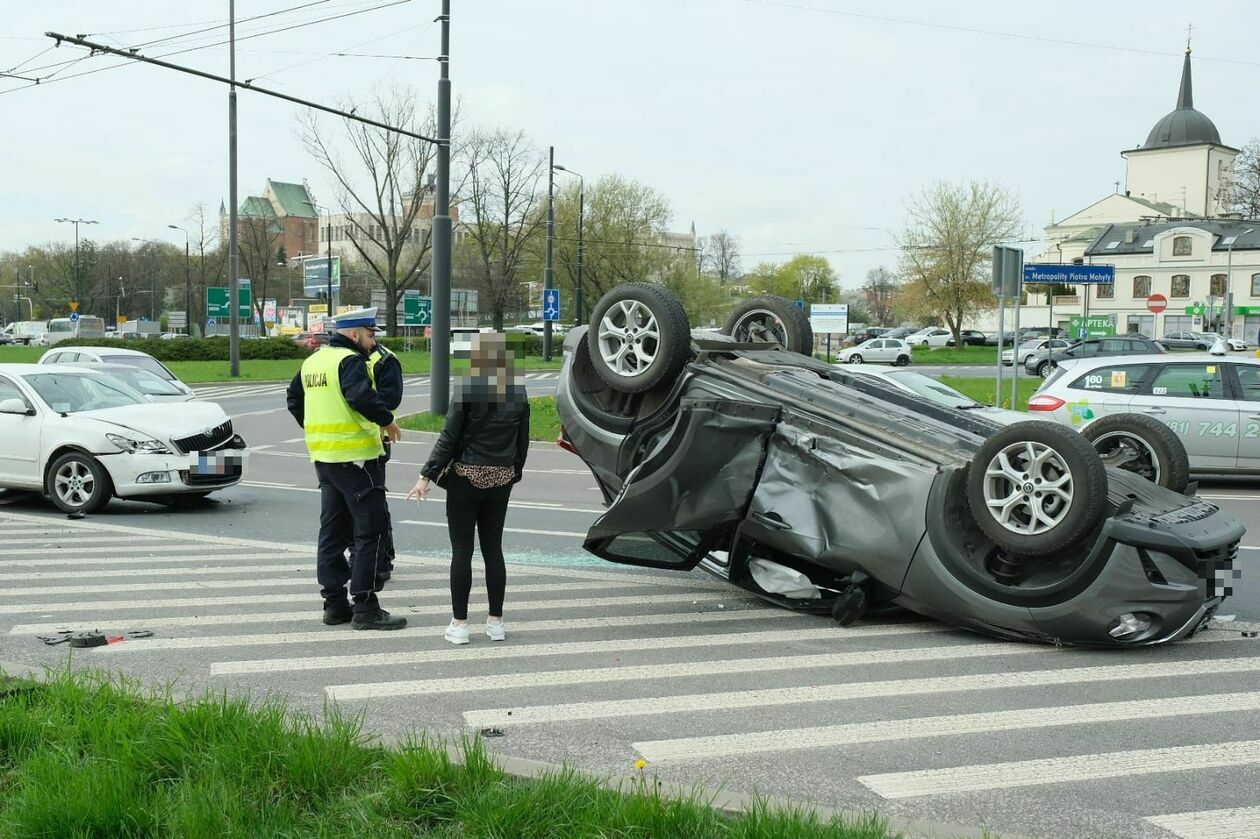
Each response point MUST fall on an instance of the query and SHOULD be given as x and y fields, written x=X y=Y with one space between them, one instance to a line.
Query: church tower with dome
x=1183 y=161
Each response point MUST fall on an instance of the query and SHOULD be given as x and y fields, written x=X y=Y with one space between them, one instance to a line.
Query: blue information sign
x=551 y=305
x=211 y=322
x=74 y=317
x=800 y=304
x=1070 y=274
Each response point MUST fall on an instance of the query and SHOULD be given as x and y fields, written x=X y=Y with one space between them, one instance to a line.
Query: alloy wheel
x=1028 y=488
x=629 y=338
x=74 y=484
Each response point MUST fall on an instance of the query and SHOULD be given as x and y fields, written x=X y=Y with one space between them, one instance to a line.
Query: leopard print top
x=486 y=477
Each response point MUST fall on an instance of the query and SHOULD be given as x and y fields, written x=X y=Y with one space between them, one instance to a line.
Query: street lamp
x=577 y=317
x=1229 y=284
x=76 y=222
x=187 y=279
x=152 y=272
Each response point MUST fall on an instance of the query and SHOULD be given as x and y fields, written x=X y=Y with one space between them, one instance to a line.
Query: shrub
x=203 y=349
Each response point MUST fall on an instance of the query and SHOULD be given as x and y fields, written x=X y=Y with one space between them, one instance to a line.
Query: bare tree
x=878 y=292
x=1242 y=191
x=259 y=241
x=949 y=234
x=383 y=189
x=211 y=259
x=501 y=215
x=719 y=256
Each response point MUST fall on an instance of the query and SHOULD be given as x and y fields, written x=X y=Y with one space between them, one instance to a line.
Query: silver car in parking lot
x=1211 y=402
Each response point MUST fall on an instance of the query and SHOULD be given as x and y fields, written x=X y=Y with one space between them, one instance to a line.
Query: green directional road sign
x=1094 y=326
x=417 y=311
x=217 y=303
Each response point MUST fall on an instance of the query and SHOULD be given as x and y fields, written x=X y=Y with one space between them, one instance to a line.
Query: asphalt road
x=605 y=665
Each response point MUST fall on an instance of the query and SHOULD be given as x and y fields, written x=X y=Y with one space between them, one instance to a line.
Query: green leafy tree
x=805 y=277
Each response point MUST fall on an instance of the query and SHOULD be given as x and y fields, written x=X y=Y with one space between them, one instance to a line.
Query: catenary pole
x=234 y=255
x=441 y=305
x=549 y=273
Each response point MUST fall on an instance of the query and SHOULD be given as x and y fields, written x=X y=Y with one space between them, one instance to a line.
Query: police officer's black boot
x=337 y=613
x=380 y=619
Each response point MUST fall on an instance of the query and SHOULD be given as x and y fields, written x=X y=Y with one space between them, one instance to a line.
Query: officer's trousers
x=353 y=515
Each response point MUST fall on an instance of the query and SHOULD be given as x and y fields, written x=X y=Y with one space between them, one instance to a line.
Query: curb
x=431 y=437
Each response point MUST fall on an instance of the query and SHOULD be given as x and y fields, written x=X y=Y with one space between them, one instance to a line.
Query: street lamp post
x=581 y=254
x=187 y=280
x=1229 y=284
x=152 y=292
x=549 y=274
x=76 y=222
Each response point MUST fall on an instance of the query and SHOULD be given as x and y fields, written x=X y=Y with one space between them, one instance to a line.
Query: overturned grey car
x=835 y=494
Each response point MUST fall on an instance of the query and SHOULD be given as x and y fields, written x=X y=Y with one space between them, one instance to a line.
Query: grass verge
x=544 y=422
x=985 y=390
x=954 y=355
x=89 y=754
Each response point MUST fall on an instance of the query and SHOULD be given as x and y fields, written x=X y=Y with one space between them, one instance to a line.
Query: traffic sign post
x=217 y=303
x=417 y=310
x=551 y=305
x=74 y=317
x=1092 y=326
x=74 y=305
x=829 y=319
x=1157 y=303
x=1008 y=276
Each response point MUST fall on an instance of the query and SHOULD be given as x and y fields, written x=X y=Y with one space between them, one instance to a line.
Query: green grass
x=544 y=422
x=985 y=390
x=95 y=755
x=953 y=355
x=19 y=354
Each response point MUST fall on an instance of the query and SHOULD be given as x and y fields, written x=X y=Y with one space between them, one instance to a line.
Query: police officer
x=385 y=371
x=344 y=418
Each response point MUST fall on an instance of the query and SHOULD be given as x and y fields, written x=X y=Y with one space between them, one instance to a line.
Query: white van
x=26 y=331
x=64 y=329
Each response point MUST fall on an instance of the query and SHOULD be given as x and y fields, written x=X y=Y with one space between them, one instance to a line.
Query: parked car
x=864 y=335
x=82 y=437
x=838 y=494
x=934 y=391
x=312 y=340
x=920 y=338
x=26 y=331
x=900 y=332
x=1232 y=344
x=111 y=355
x=6 y=338
x=1186 y=340
x=991 y=339
x=1029 y=348
x=152 y=386
x=173 y=336
x=1042 y=362
x=886 y=350
x=1033 y=332
x=970 y=338
x=1211 y=403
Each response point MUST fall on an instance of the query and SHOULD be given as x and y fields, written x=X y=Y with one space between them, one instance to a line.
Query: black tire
x=902 y=361
x=771 y=318
x=1142 y=445
x=1044 y=369
x=1069 y=461
x=1202 y=347
x=668 y=347
x=90 y=474
x=856 y=358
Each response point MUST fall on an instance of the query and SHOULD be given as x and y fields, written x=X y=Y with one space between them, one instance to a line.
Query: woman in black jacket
x=479 y=456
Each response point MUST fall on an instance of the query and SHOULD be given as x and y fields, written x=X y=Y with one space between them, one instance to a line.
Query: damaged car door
x=690 y=492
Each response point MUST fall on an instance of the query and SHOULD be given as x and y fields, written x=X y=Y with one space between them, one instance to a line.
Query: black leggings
x=469 y=509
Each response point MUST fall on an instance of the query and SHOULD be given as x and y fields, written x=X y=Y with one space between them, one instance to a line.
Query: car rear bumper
x=140 y=475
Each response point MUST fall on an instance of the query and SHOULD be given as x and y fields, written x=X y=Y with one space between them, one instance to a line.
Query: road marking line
x=618 y=645
x=774 y=697
x=139 y=587
x=312 y=614
x=299 y=563
x=182 y=602
x=678 y=619
x=61 y=539
x=131 y=559
x=1061 y=770
x=1237 y=823
x=525 y=530
x=259 y=414
x=650 y=672
x=117 y=550
x=681 y=749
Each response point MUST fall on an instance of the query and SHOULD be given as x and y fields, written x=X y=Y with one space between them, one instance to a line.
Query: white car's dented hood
x=163 y=421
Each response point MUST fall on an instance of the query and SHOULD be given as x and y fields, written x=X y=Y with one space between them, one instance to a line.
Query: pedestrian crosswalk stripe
x=1062 y=770
x=618 y=645
x=254 y=581
x=259 y=599
x=681 y=620
x=59 y=539
x=122 y=548
x=986 y=722
x=1236 y=823
x=651 y=672
x=151 y=620
x=836 y=692
x=299 y=563
x=109 y=561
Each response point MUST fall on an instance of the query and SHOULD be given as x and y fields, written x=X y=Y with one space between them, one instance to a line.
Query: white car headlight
x=128 y=444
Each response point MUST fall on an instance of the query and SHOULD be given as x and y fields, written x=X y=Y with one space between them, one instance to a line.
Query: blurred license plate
x=216 y=463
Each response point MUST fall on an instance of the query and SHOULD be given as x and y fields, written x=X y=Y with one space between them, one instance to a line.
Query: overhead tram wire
x=322 y=56
x=45 y=80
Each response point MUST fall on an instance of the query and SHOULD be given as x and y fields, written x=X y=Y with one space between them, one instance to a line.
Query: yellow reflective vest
x=335 y=432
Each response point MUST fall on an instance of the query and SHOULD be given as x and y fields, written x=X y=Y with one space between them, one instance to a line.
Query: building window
x=1141 y=287
x=1180 y=285
x=1182 y=246
x=1255 y=285
x=1107 y=292
x=1218 y=285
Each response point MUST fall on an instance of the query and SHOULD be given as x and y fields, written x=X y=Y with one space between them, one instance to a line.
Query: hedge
x=520 y=343
x=202 y=349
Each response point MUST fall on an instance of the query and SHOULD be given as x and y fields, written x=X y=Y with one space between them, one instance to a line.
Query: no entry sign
x=1157 y=303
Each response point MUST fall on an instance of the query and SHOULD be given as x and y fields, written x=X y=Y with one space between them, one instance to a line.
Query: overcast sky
x=800 y=126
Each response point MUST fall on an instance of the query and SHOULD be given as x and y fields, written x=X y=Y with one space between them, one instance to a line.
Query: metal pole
x=234 y=254
x=76 y=259
x=549 y=274
x=1229 y=286
x=581 y=246
x=1002 y=343
x=187 y=288
x=328 y=233
x=1019 y=291
x=441 y=309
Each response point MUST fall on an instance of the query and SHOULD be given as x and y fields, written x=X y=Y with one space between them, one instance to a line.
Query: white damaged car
x=82 y=437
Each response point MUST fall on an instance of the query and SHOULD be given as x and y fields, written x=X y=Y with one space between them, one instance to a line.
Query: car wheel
x=1142 y=445
x=902 y=361
x=772 y=319
x=856 y=358
x=639 y=337
x=1044 y=368
x=77 y=483
x=1035 y=488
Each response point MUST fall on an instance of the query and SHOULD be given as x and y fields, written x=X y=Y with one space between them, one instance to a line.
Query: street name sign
x=1070 y=274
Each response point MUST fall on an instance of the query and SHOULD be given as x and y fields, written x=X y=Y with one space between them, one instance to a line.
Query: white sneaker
x=496 y=631
x=457 y=634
